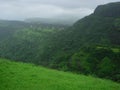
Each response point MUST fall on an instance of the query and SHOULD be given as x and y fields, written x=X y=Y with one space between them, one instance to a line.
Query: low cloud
x=21 y=9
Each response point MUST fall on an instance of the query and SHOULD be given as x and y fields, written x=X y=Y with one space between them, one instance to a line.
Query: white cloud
x=20 y=9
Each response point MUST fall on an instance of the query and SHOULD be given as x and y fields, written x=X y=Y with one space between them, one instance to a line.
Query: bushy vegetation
x=21 y=76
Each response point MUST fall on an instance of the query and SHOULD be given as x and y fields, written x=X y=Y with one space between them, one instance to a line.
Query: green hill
x=108 y=10
x=21 y=76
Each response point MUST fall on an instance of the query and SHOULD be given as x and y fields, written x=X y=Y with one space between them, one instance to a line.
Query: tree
x=79 y=62
x=106 y=67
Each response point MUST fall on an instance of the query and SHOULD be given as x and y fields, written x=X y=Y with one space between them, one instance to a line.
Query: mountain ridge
x=108 y=10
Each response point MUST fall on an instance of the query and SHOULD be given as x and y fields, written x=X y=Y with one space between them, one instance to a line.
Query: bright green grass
x=21 y=76
x=116 y=50
x=113 y=49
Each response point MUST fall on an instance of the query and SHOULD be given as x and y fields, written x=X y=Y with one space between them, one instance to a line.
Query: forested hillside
x=7 y=27
x=90 y=46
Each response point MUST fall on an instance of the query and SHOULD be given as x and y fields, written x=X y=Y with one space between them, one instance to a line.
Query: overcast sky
x=21 y=9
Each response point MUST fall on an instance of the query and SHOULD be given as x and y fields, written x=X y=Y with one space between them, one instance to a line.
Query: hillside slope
x=21 y=76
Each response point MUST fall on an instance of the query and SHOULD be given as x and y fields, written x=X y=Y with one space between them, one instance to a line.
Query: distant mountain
x=53 y=21
x=8 y=27
x=12 y=23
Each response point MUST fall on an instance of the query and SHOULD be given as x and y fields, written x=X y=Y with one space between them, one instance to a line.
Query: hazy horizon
x=63 y=9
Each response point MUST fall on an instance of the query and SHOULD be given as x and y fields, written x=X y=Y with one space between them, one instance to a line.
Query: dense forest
x=89 y=46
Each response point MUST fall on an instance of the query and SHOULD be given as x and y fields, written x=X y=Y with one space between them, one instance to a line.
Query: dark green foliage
x=106 y=67
x=78 y=62
x=108 y=10
x=117 y=24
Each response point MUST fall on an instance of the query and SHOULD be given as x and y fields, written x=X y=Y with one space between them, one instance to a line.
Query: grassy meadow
x=22 y=76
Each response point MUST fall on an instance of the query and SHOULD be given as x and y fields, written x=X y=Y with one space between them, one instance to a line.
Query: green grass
x=21 y=76
x=113 y=49
x=116 y=50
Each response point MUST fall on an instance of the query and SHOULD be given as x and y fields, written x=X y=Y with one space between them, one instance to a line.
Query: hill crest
x=108 y=10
